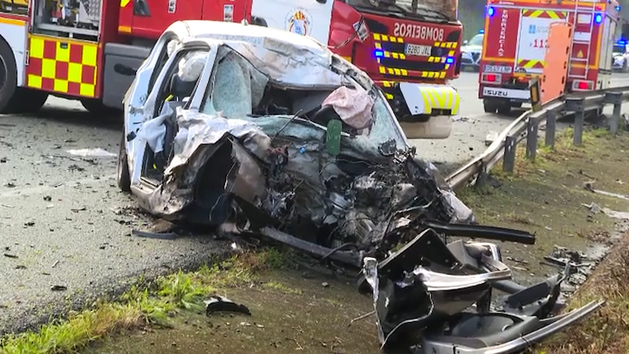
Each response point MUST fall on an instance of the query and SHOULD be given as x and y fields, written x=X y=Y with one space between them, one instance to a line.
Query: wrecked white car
x=272 y=134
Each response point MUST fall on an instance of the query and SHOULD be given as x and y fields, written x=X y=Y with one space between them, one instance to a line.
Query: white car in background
x=471 y=52
x=620 y=56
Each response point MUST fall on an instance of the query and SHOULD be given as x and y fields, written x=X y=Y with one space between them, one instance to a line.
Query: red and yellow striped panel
x=531 y=64
x=62 y=65
x=557 y=15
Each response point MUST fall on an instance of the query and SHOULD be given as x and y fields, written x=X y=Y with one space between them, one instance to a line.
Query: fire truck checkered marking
x=62 y=66
x=451 y=45
x=124 y=3
x=387 y=38
x=558 y=15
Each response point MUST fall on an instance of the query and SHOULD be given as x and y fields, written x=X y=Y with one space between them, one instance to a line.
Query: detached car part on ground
x=271 y=134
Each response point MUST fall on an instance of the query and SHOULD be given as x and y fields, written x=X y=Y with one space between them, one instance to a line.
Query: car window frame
x=171 y=65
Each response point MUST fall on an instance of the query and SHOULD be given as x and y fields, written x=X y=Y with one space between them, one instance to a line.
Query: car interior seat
x=179 y=90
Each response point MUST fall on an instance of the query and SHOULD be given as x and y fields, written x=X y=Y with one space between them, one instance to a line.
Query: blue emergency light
x=618 y=8
x=491 y=11
x=481 y=31
x=598 y=18
x=449 y=60
x=379 y=53
x=622 y=42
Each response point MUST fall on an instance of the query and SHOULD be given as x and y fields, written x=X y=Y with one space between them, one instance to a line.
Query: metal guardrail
x=527 y=126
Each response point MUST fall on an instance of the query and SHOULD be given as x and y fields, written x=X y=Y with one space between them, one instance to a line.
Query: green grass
x=150 y=304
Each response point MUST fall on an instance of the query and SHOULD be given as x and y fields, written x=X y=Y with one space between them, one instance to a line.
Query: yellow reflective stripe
x=124 y=3
x=386 y=38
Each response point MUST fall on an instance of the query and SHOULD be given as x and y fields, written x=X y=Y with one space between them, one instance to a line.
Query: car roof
x=270 y=38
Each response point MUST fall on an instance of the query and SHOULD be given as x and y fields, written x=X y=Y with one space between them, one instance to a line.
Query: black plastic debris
x=221 y=304
x=58 y=288
x=157 y=235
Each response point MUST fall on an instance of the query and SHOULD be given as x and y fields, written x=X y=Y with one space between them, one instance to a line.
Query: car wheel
x=504 y=108
x=98 y=109
x=8 y=79
x=28 y=100
x=490 y=106
x=122 y=176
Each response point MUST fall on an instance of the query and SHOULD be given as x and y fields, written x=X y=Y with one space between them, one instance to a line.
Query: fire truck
x=514 y=48
x=69 y=48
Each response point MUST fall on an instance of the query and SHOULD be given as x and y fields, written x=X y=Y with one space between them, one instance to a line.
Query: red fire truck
x=68 y=48
x=514 y=47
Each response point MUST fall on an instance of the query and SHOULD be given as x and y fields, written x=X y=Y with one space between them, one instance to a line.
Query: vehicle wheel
x=97 y=108
x=8 y=79
x=490 y=106
x=28 y=100
x=122 y=172
x=504 y=108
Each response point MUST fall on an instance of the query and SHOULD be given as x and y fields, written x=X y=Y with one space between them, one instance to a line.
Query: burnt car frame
x=268 y=134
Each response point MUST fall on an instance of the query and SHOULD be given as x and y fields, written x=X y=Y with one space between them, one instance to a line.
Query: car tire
x=8 y=79
x=28 y=100
x=123 y=178
x=489 y=106
x=504 y=108
x=98 y=109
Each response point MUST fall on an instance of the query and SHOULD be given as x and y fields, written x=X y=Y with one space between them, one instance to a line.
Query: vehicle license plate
x=497 y=69
x=418 y=50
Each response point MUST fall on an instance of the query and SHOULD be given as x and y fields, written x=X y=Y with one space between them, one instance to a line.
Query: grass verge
x=154 y=304
x=548 y=197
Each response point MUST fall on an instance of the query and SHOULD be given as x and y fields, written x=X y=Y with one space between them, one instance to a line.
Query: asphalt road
x=64 y=223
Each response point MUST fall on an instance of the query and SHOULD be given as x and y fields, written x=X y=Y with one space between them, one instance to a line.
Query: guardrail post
x=536 y=99
x=481 y=179
x=532 y=129
x=551 y=124
x=614 y=98
x=575 y=104
x=508 y=162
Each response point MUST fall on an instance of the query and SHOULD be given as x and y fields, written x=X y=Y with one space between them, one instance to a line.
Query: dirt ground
x=571 y=197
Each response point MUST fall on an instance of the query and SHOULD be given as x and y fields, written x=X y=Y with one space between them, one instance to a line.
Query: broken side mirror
x=125 y=70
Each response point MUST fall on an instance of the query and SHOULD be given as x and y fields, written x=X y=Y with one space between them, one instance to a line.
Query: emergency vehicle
x=516 y=33
x=69 y=48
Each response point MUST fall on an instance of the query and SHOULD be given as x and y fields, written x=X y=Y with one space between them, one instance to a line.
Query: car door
x=305 y=17
x=160 y=94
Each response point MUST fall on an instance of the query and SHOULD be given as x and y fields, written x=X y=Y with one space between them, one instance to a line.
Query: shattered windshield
x=239 y=90
x=431 y=10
